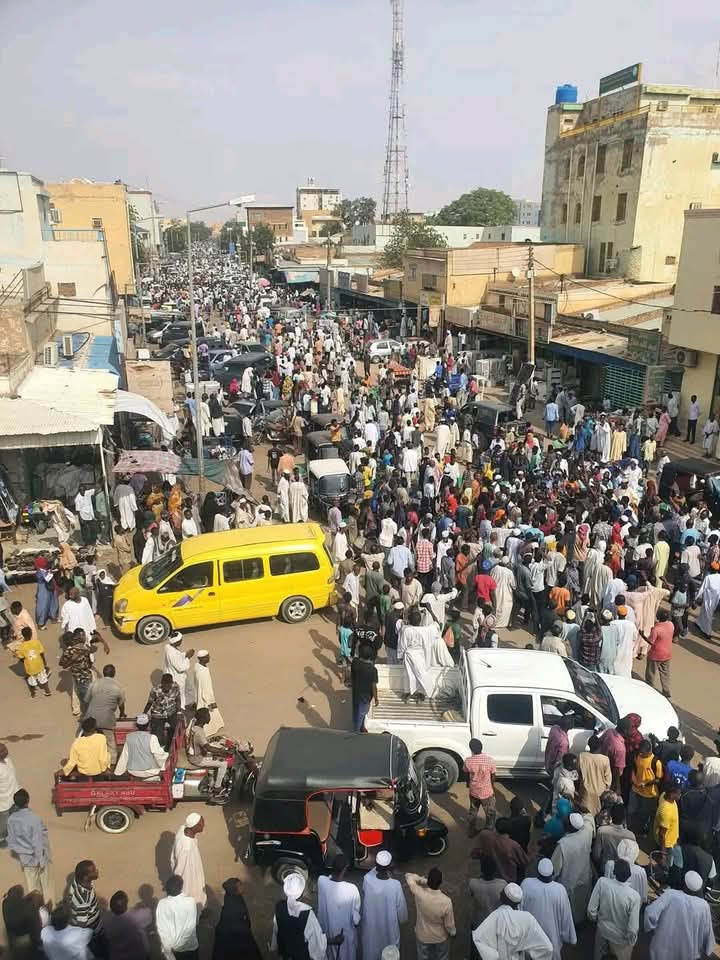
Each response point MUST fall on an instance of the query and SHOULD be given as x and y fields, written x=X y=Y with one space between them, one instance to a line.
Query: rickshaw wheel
x=438 y=769
x=436 y=846
x=283 y=868
x=114 y=819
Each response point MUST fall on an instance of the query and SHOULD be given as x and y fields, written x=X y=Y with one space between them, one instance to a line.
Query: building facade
x=279 y=217
x=84 y=205
x=527 y=213
x=149 y=218
x=315 y=206
x=621 y=169
x=378 y=234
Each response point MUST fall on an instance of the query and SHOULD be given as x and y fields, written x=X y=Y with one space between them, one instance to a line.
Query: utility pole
x=250 y=249
x=195 y=370
x=328 y=287
x=531 y=305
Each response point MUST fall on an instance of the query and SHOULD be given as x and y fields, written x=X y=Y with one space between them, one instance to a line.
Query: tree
x=232 y=231
x=358 y=211
x=263 y=239
x=479 y=208
x=408 y=234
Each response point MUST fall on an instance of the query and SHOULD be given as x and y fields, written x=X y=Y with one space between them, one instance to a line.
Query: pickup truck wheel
x=114 y=819
x=438 y=769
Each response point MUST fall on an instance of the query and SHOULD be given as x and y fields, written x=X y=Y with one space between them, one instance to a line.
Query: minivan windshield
x=156 y=571
x=593 y=690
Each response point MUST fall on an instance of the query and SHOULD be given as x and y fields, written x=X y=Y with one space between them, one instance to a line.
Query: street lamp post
x=237 y=202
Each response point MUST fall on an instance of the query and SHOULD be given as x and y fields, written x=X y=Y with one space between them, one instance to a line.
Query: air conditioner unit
x=662 y=105
x=686 y=358
x=67 y=346
x=610 y=264
x=716 y=158
x=592 y=315
x=50 y=355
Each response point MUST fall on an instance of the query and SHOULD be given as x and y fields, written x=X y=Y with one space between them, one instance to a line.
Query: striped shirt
x=84 y=909
x=480 y=768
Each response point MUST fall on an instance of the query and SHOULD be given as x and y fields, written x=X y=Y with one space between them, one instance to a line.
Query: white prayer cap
x=383 y=858
x=142 y=719
x=202 y=653
x=545 y=868
x=293 y=887
x=576 y=821
x=693 y=881
x=390 y=953
x=607 y=615
x=445 y=534
x=398 y=605
x=175 y=637
x=192 y=820
x=628 y=850
x=513 y=893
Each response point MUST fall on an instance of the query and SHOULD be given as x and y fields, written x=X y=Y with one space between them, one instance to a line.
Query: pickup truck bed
x=441 y=710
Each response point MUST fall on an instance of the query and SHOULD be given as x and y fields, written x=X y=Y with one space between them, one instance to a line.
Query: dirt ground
x=261 y=670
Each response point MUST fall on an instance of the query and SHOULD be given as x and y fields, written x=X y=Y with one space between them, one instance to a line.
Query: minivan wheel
x=152 y=630
x=295 y=609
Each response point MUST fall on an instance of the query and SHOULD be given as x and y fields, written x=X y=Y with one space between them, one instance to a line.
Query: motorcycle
x=240 y=778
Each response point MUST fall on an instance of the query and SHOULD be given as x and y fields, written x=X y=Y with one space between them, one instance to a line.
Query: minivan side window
x=293 y=563
x=236 y=570
x=190 y=578
x=510 y=708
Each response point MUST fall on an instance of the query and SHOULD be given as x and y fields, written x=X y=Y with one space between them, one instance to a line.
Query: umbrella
x=263 y=282
x=147 y=461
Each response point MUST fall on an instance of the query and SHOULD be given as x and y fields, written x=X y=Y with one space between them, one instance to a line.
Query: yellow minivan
x=279 y=570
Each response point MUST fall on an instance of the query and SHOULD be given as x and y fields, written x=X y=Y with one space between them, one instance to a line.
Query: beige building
x=621 y=169
x=695 y=320
x=315 y=206
x=85 y=205
x=279 y=217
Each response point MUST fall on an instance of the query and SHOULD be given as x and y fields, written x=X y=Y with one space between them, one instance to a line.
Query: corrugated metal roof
x=26 y=423
x=593 y=341
x=87 y=394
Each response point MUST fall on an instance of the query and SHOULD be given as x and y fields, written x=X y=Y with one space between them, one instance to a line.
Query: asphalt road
x=266 y=674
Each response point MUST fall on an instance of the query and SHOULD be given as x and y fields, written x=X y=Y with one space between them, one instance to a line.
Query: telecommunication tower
x=395 y=193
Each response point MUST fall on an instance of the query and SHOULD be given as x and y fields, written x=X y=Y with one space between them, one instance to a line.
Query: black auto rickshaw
x=319 y=446
x=323 y=792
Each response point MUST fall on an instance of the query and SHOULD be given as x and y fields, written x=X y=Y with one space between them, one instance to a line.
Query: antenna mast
x=395 y=193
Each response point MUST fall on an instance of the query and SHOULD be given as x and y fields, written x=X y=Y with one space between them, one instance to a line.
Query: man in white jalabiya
x=571 y=862
x=289 y=927
x=124 y=500
x=185 y=858
x=510 y=933
x=298 y=500
x=283 y=492
x=339 y=908
x=384 y=909
x=176 y=920
x=205 y=693
x=177 y=664
x=548 y=902
x=504 y=577
x=615 y=908
x=681 y=922
x=420 y=648
x=77 y=612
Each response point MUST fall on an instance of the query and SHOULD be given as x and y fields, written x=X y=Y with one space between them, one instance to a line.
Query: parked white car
x=381 y=349
x=508 y=699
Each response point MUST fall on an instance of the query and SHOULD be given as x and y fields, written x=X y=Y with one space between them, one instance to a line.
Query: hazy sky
x=208 y=100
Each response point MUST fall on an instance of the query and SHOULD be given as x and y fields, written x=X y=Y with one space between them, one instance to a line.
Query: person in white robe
x=628 y=638
x=176 y=918
x=548 y=902
x=615 y=587
x=205 y=418
x=510 y=933
x=434 y=605
x=185 y=859
x=599 y=580
x=681 y=923
x=77 y=614
x=601 y=440
x=384 y=909
x=571 y=863
x=298 y=501
x=504 y=577
x=283 y=491
x=205 y=694
x=442 y=438
x=339 y=909
x=629 y=851
x=124 y=500
x=709 y=596
x=177 y=664
x=615 y=908
x=429 y=414
x=315 y=940
x=246 y=381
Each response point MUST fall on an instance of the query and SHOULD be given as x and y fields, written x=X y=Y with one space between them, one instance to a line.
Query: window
x=429 y=281
x=547 y=312
x=287 y=563
x=190 y=578
x=510 y=708
x=563 y=219
x=555 y=707
x=55 y=214
x=413 y=271
x=66 y=290
x=581 y=166
x=596 y=208
x=502 y=235
x=97 y=223
x=578 y=212
x=501 y=300
x=236 y=570
x=696 y=205
x=566 y=169
x=621 y=207
x=670 y=261
x=627 y=153
x=600 y=160
x=715 y=308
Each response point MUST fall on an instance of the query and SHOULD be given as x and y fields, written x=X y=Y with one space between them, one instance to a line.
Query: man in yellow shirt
x=32 y=654
x=667 y=820
x=89 y=754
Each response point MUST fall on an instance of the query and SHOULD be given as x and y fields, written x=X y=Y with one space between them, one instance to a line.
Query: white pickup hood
x=634 y=696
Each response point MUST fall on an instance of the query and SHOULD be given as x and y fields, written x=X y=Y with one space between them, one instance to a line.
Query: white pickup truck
x=508 y=699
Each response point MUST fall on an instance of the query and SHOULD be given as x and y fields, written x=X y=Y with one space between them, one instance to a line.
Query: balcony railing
x=89 y=236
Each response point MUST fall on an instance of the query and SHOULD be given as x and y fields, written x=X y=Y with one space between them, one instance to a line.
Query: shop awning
x=147 y=461
x=26 y=424
x=126 y=402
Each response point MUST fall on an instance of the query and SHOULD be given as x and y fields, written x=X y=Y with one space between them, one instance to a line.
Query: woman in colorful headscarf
x=46 y=601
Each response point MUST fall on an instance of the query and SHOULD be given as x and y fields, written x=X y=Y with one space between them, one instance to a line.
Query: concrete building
x=85 y=205
x=621 y=169
x=315 y=206
x=694 y=335
x=378 y=234
x=527 y=213
x=279 y=217
x=149 y=218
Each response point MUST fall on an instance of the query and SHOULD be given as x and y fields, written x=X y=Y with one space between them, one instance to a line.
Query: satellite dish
x=515 y=272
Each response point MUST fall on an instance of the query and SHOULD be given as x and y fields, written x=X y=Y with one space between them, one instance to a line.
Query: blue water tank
x=566 y=93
